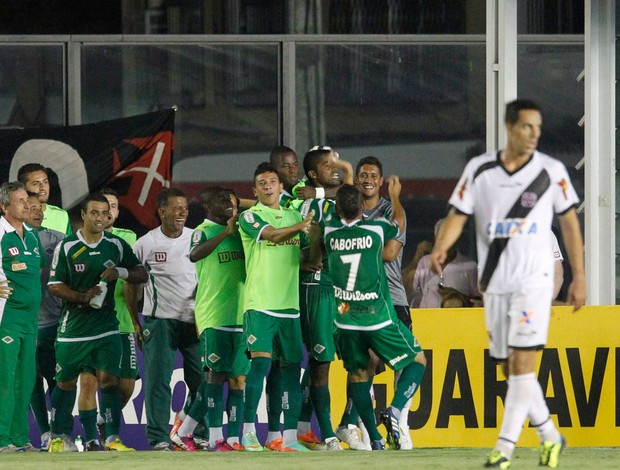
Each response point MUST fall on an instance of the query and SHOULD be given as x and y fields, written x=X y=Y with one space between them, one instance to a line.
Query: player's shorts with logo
x=317 y=311
x=517 y=320
x=278 y=334
x=223 y=349
x=393 y=343
x=73 y=357
x=129 y=362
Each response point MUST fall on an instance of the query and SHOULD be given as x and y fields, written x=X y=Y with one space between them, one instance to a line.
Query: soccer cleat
x=56 y=445
x=118 y=446
x=497 y=459
x=393 y=429
x=405 y=440
x=238 y=447
x=101 y=430
x=221 y=446
x=69 y=445
x=162 y=446
x=250 y=442
x=92 y=446
x=349 y=436
x=295 y=446
x=28 y=447
x=550 y=452
x=274 y=445
x=331 y=445
x=377 y=445
x=308 y=439
x=184 y=443
x=11 y=448
x=201 y=443
x=364 y=437
x=45 y=441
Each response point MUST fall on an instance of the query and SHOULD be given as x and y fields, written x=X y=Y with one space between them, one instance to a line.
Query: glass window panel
x=227 y=99
x=419 y=108
x=31 y=85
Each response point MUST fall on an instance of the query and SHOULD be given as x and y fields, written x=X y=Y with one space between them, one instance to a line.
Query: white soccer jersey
x=171 y=289
x=513 y=214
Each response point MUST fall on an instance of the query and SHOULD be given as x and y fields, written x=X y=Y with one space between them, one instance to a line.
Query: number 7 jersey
x=358 y=274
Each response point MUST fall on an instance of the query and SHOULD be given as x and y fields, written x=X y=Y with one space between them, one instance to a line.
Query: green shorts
x=129 y=362
x=394 y=344
x=278 y=335
x=73 y=357
x=318 y=308
x=223 y=349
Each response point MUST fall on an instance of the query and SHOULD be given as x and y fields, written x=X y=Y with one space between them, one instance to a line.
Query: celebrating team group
x=312 y=263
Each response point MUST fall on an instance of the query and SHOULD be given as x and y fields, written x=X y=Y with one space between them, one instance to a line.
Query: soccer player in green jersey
x=317 y=303
x=128 y=326
x=220 y=267
x=34 y=176
x=22 y=259
x=272 y=247
x=88 y=337
x=366 y=317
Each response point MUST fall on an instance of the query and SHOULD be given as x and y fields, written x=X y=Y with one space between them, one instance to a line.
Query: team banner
x=131 y=155
x=460 y=402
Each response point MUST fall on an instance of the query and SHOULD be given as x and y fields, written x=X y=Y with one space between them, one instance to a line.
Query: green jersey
x=356 y=266
x=22 y=259
x=79 y=266
x=125 y=323
x=221 y=278
x=272 y=269
x=324 y=210
x=56 y=219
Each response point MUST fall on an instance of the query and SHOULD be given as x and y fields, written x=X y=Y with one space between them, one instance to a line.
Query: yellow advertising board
x=460 y=401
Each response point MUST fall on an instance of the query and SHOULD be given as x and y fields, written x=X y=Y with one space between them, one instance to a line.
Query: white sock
x=100 y=419
x=232 y=440
x=188 y=426
x=289 y=437
x=303 y=427
x=541 y=419
x=521 y=389
x=249 y=427
x=403 y=420
x=273 y=435
x=215 y=434
x=182 y=414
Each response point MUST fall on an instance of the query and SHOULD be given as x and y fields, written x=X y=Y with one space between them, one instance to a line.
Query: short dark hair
x=369 y=160
x=277 y=152
x=166 y=193
x=513 y=108
x=94 y=197
x=108 y=192
x=264 y=167
x=25 y=170
x=312 y=157
x=349 y=201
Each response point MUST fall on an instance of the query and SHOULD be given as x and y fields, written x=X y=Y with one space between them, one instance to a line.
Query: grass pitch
x=577 y=458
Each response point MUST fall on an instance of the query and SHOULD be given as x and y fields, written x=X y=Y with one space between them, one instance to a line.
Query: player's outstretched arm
x=278 y=235
x=64 y=292
x=573 y=242
x=207 y=247
x=449 y=233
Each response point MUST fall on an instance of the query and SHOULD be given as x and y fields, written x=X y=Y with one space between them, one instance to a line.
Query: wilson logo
x=13 y=251
x=160 y=256
x=80 y=267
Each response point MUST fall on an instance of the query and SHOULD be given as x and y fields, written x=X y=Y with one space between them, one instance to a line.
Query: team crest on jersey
x=161 y=256
x=196 y=237
x=529 y=199
x=249 y=217
x=13 y=251
x=79 y=267
x=509 y=228
x=19 y=266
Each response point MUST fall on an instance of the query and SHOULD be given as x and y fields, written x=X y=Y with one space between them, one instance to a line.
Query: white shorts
x=518 y=320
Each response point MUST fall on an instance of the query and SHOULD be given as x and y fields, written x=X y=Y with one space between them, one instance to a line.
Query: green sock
x=198 y=409
x=305 y=414
x=408 y=383
x=39 y=406
x=321 y=402
x=350 y=414
x=111 y=410
x=215 y=404
x=254 y=387
x=235 y=412
x=274 y=398
x=291 y=395
x=360 y=394
x=62 y=406
x=88 y=418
